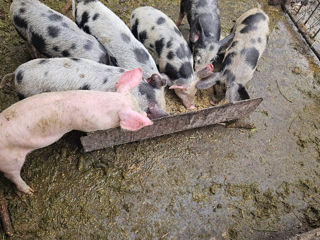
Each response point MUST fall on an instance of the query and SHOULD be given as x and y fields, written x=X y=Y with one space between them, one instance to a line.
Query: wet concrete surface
x=209 y=183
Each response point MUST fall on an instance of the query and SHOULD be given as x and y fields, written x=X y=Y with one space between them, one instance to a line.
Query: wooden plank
x=170 y=124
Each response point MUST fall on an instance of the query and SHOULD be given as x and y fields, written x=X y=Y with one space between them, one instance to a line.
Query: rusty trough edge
x=170 y=124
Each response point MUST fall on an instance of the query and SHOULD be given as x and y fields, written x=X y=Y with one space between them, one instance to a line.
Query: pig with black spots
x=53 y=34
x=98 y=20
x=204 y=21
x=62 y=74
x=172 y=54
x=251 y=32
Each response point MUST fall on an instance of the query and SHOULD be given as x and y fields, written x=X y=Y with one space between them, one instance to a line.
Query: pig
x=98 y=20
x=41 y=120
x=54 y=35
x=204 y=21
x=62 y=74
x=161 y=36
x=251 y=32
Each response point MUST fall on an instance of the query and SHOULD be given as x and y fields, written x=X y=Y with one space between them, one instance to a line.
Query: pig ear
x=157 y=81
x=210 y=67
x=206 y=71
x=195 y=37
x=224 y=43
x=208 y=82
x=178 y=87
x=133 y=121
x=129 y=80
x=179 y=84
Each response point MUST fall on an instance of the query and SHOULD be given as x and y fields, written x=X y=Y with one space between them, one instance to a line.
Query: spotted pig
x=98 y=20
x=251 y=33
x=173 y=56
x=53 y=34
x=95 y=18
x=62 y=74
x=204 y=21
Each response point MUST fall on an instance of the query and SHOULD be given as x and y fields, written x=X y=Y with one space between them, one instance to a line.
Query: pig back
x=53 y=34
x=112 y=32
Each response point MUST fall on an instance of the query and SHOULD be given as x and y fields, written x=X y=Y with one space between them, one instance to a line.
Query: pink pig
x=41 y=120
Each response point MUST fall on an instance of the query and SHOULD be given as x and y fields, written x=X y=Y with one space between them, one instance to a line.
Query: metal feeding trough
x=171 y=124
x=306 y=15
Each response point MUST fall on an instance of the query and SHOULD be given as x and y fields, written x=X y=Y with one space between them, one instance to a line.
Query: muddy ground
x=207 y=183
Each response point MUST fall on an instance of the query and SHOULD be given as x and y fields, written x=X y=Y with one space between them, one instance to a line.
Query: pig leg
x=33 y=52
x=66 y=7
x=15 y=177
x=219 y=93
x=179 y=21
x=11 y=167
x=181 y=14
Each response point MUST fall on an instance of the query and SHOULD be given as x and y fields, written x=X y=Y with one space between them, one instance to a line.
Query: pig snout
x=185 y=92
x=187 y=98
x=154 y=111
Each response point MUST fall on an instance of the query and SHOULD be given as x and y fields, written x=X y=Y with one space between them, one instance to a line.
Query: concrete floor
x=209 y=183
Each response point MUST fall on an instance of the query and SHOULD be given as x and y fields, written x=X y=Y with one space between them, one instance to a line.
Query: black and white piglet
x=161 y=36
x=98 y=20
x=251 y=33
x=204 y=21
x=95 y=18
x=53 y=34
x=62 y=74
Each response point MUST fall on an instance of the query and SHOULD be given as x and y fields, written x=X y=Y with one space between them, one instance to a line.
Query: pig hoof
x=192 y=107
x=212 y=102
x=26 y=189
x=29 y=191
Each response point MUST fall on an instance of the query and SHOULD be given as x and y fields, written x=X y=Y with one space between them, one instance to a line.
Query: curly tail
x=5 y=78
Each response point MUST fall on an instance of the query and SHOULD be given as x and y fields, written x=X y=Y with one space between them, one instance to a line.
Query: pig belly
x=30 y=134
